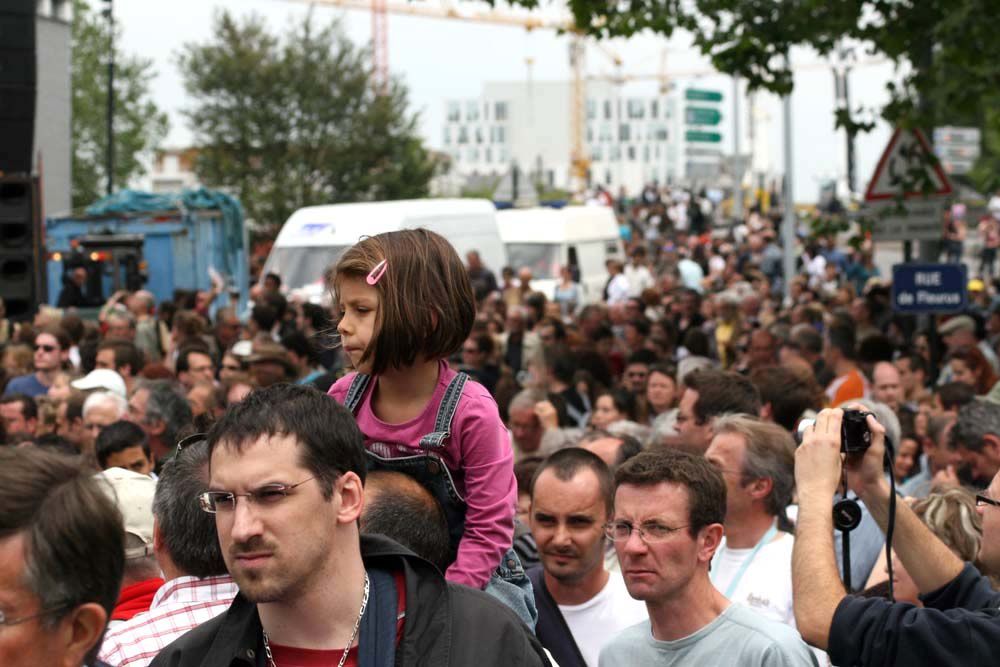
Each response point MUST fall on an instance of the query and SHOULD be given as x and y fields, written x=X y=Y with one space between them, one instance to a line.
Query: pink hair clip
x=376 y=273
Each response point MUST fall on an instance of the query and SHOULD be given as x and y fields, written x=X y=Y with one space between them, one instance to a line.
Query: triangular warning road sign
x=907 y=155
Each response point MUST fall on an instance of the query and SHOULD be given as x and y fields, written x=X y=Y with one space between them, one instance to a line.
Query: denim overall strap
x=356 y=391
x=445 y=414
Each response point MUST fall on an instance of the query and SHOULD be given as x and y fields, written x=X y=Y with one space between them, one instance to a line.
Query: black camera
x=855 y=436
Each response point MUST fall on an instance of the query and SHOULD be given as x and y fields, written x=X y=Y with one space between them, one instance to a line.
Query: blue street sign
x=929 y=288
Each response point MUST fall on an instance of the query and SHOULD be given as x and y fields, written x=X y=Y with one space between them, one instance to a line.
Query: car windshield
x=302 y=266
x=542 y=258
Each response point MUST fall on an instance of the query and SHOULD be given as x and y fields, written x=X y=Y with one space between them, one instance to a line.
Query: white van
x=314 y=237
x=546 y=239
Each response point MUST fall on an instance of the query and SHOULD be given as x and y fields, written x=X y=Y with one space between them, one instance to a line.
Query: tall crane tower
x=380 y=46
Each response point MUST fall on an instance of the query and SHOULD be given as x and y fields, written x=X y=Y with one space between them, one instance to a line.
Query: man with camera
x=874 y=631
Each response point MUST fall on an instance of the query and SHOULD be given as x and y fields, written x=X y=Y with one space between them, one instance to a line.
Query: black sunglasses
x=982 y=500
x=46 y=348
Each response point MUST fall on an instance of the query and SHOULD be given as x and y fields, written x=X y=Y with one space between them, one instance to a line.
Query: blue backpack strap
x=356 y=391
x=446 y=412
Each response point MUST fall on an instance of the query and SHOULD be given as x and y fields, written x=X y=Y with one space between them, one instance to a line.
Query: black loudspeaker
x=17 y=85
x=22 y=260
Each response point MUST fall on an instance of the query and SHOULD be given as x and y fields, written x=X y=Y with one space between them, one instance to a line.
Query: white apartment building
x=630 y=140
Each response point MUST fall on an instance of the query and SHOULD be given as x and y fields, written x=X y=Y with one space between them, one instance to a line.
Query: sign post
x=929 y=288
x=907 y=192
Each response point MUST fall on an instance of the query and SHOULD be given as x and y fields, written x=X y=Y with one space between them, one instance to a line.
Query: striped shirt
x=179 y=605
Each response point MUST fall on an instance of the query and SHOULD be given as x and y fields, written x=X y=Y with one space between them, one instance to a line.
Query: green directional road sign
x=703 y=137
x=701 y=116
x=702 y=95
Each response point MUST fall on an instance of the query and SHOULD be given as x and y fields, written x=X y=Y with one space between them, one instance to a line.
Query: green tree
x=292 y=120
x=950 y=72
x=139 y=125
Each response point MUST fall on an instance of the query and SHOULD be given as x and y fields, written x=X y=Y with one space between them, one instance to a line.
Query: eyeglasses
x=214 y=502
x=46 y=348
x=190 y=440
x=650 y=532
x=24 y=619
x=983 y=501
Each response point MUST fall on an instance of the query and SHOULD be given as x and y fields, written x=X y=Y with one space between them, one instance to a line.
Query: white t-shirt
x=618 y=289
x=599 y=620
x=766 y=584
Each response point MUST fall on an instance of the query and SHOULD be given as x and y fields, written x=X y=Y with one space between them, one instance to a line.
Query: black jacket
x=446 y=624
x=551 y=627
x=959 y=625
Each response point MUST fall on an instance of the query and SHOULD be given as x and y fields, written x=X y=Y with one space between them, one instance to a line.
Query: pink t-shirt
x=479 y=456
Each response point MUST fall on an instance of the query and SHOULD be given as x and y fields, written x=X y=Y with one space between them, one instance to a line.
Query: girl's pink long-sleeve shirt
x=479 y=456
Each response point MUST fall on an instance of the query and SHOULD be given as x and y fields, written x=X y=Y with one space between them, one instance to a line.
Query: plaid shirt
x=178 y=606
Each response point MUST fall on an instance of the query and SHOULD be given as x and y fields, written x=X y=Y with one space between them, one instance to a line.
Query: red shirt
x=290 y=656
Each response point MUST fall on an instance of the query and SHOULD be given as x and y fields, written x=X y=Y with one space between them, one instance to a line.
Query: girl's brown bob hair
x=426 y=306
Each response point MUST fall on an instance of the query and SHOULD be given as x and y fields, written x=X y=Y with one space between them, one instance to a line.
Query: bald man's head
x=886 y=385
x=399 y=507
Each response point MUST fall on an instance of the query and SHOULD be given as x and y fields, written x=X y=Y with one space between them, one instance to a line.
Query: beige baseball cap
x=133 y=494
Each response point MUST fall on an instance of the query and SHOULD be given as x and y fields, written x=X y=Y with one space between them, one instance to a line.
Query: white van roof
x=345 y=224
x=550 y=225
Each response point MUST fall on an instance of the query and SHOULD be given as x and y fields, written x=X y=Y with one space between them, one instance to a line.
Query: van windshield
x=300 y=266
x=542 y=258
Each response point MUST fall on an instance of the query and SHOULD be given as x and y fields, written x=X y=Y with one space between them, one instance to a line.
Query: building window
x=636 y=109
x=624 y=132
x=607 y=109
x=590 y=133
x=454 y=112
x=607 y=177
x=503 y=156
x=500 y=111
x=596 y=153
x=447 y=136
x=615 y=153
x=654 y=109
x=631 y=153
x=479 y=135
x=486 y=110
x=473 y=154
x=472 y=111
x=487 y=156
x=463 y=134
x=645 y=153
x=501 y=134
x=661 y=133
x=591 y=109
x=605 y=132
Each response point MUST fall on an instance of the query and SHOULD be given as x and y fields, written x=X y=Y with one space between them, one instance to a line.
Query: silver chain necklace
x=350 y=642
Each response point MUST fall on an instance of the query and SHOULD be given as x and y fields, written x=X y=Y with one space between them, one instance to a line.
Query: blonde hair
x=952 y=516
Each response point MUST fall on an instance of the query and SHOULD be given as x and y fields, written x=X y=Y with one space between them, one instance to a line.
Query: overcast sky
x=446 y=59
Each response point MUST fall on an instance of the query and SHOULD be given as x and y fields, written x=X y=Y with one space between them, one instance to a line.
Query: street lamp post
x=110 y=157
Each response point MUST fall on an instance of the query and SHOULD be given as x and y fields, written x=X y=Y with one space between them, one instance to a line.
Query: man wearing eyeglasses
x=62 y=552
x=960 y=621
x=286 y=475
x=669 y=510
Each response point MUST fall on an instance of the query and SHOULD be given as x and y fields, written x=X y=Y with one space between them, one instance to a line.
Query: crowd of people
x=441 y=467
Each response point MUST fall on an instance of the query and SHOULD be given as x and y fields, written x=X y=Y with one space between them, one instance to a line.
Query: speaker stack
x=21 y=253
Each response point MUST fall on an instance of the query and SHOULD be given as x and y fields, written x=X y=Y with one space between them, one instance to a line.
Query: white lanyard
x=735 y=581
